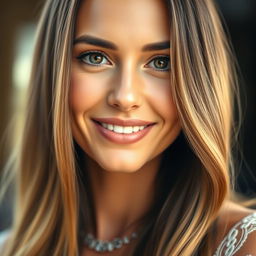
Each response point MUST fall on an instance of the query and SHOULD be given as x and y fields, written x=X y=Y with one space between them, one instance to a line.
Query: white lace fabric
x=232 y=242
x=237 y=236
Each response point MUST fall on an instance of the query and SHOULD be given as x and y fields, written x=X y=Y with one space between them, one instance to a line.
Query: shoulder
x=3 y=238
x=235 y=231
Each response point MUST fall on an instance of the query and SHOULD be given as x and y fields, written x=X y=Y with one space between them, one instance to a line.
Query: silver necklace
x=108 y=246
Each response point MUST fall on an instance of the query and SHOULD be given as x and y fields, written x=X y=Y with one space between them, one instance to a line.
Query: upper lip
x=121 y=122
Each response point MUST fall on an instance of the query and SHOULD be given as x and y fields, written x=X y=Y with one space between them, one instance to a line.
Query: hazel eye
x=94 y=58
x=160 y=63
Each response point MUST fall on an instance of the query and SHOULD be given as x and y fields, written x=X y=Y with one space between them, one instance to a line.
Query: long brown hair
x=47 y=209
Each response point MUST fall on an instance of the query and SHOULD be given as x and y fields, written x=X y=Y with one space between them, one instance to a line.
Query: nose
x=125 y=94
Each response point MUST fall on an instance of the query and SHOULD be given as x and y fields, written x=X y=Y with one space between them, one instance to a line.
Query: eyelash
x=83 y=55
x=160 y=57
x=82 y=58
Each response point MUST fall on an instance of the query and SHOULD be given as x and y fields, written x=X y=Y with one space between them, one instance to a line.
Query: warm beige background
x=14 y=15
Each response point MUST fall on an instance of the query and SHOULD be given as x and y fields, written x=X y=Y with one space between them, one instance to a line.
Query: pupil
x=160 y=63
x=96 y=58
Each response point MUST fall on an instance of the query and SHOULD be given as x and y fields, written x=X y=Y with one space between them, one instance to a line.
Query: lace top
x=237 y=236
x=232 y=242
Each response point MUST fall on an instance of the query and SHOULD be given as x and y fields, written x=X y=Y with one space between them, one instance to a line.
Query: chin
x=120 y=167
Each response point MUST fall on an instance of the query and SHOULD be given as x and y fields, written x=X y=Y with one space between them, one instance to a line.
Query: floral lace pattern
x=237 y=236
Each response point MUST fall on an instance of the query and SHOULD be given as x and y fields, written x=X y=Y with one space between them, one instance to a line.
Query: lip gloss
x=122 y=138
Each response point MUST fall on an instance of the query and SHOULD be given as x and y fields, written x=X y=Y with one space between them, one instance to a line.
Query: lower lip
x=122 y=138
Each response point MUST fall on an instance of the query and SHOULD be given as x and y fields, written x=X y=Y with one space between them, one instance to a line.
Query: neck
x=120 y=199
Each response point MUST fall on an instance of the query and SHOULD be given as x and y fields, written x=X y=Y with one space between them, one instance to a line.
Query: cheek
x=85 y=91
x=161 y=100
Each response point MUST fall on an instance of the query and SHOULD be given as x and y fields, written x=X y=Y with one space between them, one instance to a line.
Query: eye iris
x=96 y=58
x=161 y=63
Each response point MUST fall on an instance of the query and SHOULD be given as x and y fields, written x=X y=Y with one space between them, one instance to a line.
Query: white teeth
x=110 y=127
x=136 y=128
x=123 y=129
x=118 y=129
x=128 y=129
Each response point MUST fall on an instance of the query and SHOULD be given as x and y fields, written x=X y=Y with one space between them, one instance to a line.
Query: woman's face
x=121 y=69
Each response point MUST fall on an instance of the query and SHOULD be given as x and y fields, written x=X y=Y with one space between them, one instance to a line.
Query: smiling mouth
x=122 y=134
x=123 y=129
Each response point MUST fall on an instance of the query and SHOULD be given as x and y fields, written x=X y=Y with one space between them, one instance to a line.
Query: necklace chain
x=104 y=246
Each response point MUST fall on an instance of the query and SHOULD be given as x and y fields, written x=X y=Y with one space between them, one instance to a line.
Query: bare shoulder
x=235 y=231
x=4 y=235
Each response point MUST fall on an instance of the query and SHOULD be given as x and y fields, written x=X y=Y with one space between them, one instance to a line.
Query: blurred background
x=17 y=25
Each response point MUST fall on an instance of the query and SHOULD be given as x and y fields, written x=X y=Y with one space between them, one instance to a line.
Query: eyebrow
x=86 y=39
x=156 y=46
x=95 y=41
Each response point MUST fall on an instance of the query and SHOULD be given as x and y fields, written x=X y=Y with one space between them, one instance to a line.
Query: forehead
x=124 y=20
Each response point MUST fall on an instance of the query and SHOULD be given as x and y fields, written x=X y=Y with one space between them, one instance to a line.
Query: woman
x=128 y=134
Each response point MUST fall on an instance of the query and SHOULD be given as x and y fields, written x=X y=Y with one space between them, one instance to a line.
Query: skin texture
x=125 y=85
x=126 y=89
